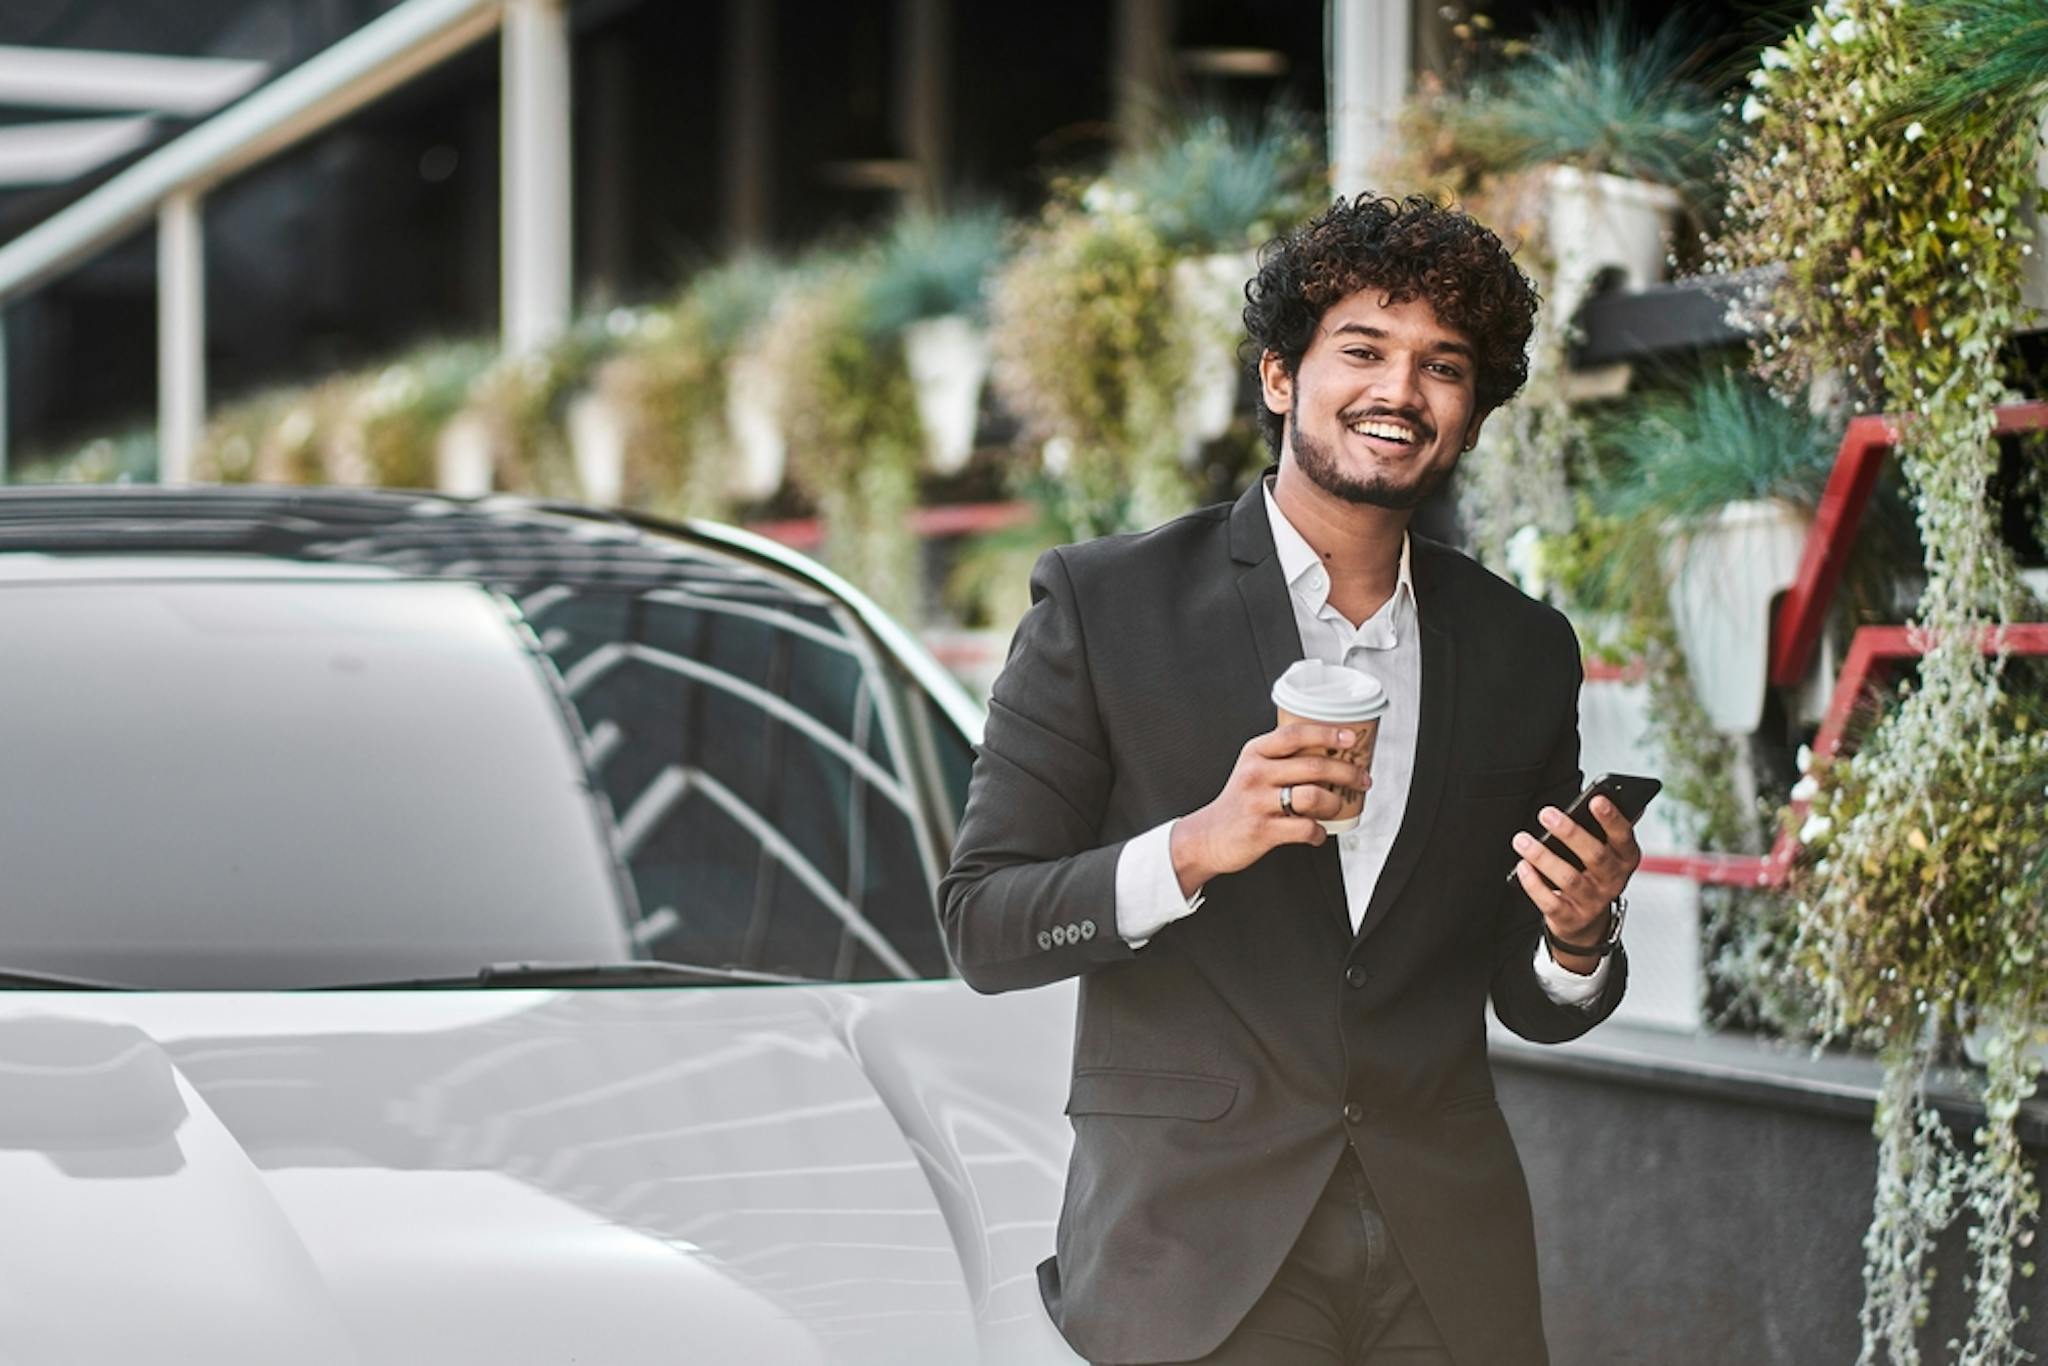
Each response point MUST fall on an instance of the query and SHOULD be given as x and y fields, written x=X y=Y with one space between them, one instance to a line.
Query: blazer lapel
x=1269 y=611
x=1432 y=741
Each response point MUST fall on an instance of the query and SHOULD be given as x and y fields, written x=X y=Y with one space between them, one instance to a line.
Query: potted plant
x=1720 y=480
x=852 y=425
x=1211 y=190
x=1620 y=137
x=736 y=303
x=928 y=286
x=520 y=410
x=396 y=416
x=1091 y=355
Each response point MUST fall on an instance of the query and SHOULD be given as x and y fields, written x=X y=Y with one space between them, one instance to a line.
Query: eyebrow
x=1450 y=344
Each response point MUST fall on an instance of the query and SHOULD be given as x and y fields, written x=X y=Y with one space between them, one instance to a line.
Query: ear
x=1275 y=383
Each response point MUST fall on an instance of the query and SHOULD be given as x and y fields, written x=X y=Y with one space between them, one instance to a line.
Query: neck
x=1359 y=544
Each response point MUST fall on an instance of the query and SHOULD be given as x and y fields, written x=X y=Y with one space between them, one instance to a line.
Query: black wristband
x=1608 y=943
x=1557 y=946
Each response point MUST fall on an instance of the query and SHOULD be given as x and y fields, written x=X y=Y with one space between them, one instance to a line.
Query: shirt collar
x=1303 y=568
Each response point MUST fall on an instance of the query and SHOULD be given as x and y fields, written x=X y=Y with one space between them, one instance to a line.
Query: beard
x=1319 y=462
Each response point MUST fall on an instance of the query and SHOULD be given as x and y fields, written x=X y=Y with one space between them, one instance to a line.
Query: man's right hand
x=1246 y=819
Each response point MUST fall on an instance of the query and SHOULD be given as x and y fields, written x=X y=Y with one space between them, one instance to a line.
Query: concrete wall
x=1703 y=1202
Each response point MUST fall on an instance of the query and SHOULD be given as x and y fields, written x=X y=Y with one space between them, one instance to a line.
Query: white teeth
x=1386 y=431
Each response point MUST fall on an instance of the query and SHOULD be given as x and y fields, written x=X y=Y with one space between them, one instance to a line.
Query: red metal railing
x=1802 y=615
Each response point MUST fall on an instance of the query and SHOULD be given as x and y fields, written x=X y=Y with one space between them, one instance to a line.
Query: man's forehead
x=1369 y=311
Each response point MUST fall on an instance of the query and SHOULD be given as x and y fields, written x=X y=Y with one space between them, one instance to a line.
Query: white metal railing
x=170 y=184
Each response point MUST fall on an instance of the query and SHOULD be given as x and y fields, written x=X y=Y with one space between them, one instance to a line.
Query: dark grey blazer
x=1219 y=1071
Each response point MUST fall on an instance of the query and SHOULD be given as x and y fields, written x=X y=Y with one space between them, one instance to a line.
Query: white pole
x=1369 y=61
x=535 y=128
x=381 y=55
x=180 y=336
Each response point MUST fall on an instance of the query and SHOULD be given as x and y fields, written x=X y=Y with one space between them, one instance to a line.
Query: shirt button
x=1355 y=977
x=1354 y=1113
x=1315 y=583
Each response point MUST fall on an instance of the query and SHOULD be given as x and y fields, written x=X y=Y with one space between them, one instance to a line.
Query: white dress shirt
x=1387 y=646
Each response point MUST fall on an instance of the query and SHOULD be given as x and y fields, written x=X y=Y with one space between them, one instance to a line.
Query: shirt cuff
x=1559 y=983
x=1148 y=895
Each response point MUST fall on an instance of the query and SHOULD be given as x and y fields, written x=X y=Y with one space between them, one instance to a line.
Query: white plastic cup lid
x=1316 y=691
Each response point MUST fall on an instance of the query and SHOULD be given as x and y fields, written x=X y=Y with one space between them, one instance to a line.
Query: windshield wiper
x=631 y=973
x=28 y=979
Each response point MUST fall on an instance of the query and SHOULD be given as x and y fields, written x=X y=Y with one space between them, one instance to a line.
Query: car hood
x=724 y=1175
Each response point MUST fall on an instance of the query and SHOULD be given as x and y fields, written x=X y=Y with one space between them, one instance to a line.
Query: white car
x=453 y=932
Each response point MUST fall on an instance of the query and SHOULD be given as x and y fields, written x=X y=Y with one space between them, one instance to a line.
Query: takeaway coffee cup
x=1331 y=694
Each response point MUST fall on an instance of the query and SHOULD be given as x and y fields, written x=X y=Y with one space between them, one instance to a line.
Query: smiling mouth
x=1392 y=433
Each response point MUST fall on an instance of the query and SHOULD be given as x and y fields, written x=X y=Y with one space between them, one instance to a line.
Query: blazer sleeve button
x=1087 y=929
x=1045 y=939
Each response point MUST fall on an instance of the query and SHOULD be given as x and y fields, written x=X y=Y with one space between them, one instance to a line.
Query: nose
x=1398 y=385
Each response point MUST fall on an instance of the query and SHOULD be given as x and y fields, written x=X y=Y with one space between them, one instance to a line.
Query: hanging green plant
x=1212 y=182
x=936 y=265
x=524 y=400
x=1901 y=246
x=1591 y=93
x=851 y=421
x=399 y=410
x=1087 y=352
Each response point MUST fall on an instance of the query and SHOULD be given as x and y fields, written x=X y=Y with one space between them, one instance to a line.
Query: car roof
x=518 y=544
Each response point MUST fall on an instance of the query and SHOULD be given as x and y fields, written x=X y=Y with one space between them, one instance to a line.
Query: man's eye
x=1361 y=353
x=1448 y=371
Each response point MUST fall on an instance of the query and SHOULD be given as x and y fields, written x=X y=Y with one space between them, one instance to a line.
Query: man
x=1286 y=1146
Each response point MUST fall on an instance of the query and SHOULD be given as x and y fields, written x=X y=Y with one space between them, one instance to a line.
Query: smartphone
x=1630 y=794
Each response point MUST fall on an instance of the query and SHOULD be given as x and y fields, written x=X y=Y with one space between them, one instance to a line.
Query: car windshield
x=446 y=743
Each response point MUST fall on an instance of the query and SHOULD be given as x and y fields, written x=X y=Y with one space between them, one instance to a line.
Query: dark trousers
x=1343 y=1297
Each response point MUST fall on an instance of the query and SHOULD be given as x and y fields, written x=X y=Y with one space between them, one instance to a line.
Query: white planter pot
x=1977 y=1045
x=1596 y=222
x=2034 y=271
x=1208 y=293
x=948 y=359
x=1724 y=574
x=463 y=457
x=753 y=396
x=597 y=445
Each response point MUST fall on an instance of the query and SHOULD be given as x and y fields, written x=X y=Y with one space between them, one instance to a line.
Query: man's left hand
x=1574 y=902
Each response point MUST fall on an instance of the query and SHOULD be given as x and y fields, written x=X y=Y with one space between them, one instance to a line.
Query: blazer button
x=1087 y=929
x=1356 y=977
x=1354 y=1113
x=1045 y=939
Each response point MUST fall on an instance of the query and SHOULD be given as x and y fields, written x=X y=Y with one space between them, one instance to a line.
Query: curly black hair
x=1411 y=248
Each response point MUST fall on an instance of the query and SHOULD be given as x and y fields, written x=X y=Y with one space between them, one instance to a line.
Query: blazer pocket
x=1159 y=1095
x=1500 y=782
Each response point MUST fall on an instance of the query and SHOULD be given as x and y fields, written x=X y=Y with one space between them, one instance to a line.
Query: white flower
x=1774 y=58
x=1844 y=31
x=1753 y=109
x=1914 y=131
x=1816 y=828
x=1806 y=789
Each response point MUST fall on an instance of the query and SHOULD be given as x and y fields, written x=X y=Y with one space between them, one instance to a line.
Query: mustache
x=1407 y=417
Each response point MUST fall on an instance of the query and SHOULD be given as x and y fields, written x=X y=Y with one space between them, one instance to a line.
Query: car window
x=767 y=810
x=224 y=784
x=403 y=741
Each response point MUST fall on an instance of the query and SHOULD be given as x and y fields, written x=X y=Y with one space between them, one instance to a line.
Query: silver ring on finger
x=1287 y=801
